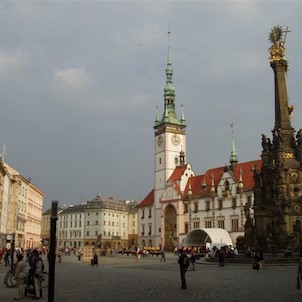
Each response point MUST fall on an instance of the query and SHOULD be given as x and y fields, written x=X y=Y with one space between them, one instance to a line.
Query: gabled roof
x=147 y=201
x=178 y=172
x=247 y=178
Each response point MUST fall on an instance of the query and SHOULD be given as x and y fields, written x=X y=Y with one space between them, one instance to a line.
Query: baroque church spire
x=169 y=114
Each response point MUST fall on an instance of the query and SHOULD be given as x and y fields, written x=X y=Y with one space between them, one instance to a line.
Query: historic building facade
x=71 y=227
x=4 y=194
x=21 y=210
x=181 y=201
x=102 y=222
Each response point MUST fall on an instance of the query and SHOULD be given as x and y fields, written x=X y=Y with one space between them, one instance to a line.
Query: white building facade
x=180 y=201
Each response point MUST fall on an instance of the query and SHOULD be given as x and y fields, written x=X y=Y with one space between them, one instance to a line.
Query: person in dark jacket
x=184 y=263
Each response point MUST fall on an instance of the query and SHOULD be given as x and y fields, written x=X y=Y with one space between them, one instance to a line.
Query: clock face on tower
x=175 y=139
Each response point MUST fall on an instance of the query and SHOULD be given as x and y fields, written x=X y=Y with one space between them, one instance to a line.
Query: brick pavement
x=120 y=279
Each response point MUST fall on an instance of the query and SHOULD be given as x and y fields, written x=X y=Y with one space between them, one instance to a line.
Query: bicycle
x=9 y=279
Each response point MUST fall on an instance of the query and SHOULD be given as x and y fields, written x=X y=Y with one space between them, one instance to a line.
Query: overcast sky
x=80 y=82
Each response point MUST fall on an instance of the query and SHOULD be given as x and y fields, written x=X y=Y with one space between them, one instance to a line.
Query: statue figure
x=247 y=213
x=257 y=177
x=299 y=137
x=290 y=110
x=277 y=50
x=98 y=242
x=266 y=143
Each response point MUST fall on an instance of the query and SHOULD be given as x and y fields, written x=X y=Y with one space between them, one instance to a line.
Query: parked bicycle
x=9 y=279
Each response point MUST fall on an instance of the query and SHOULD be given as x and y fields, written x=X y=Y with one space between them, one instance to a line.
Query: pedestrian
x=192 y=261
x=94 y=260
x=6 y=258
x=36 y=270
x=184 y=263
x=221 y=256
x=19 y=275
x=136 y=251
x=299 y=276
x=163 y=256
x=59 y=257
x=256 y=263
x=79 y=255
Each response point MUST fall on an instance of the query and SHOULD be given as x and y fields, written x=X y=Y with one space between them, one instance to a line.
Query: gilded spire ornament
x=277 y=37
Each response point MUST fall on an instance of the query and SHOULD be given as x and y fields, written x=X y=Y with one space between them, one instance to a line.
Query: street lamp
x=240 y=191
x=213 y=194
x=190 y=199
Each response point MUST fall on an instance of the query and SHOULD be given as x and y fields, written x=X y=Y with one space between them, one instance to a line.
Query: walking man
x=184 y=263
x=163 y=256
x=37 y=271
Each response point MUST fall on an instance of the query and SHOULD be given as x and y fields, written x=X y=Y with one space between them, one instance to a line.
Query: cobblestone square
x=120 y=278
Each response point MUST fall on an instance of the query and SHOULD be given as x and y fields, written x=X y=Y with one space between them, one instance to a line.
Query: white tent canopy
x=212 y=235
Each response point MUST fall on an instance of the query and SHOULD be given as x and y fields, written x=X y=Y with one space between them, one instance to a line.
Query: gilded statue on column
x=277 y=37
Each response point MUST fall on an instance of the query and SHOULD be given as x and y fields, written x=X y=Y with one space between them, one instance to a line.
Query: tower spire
x=169 y=114
x=233 y=157
x=169 y=88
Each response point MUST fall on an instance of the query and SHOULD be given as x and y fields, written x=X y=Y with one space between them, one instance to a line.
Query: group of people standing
x=6 y=254
x=35 y=273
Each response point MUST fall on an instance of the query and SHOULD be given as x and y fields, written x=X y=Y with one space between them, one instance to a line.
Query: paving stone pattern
x=120 y=278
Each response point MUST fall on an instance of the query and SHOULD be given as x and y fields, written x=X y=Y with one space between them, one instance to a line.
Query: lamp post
x=52 y=251
x=213 y=194
x=190 y=200
x=240 y=191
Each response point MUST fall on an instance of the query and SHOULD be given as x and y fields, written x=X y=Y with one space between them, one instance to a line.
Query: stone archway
x=170 y=228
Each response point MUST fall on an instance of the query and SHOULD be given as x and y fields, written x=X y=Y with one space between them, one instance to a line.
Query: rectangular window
x=149 y=213
x=96 y=222
x=88 y=222
x=235 y=224
x=234 y=203
x=195 y=207
x=207 y=205
x=186 y=208
x=208 y=224
x=220 y=204
x=196 y=224
x=221 y=224
x=186 y=228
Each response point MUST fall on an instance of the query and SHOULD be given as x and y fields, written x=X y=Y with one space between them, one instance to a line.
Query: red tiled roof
x=247 y=178
x=147 y=201
x=178 y=172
